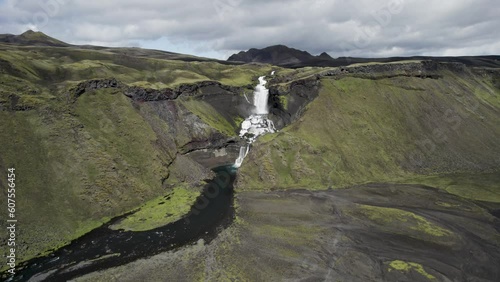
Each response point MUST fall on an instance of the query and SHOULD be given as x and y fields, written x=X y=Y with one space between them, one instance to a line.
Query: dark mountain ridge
x=284 y=56
x=31 y=38
x=280 y=55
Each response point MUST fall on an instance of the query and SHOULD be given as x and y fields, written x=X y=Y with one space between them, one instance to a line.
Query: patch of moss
x=404 y=266
x=480 y=186
x=387 y=216
x=284 y=101
x=159 y=211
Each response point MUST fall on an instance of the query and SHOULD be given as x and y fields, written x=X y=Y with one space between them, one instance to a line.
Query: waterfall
x=243 y=154
x=260 y=97
x=256 y=124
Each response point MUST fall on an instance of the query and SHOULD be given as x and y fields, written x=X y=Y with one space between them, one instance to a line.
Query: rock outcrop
x=280 y=55
x=287 y=103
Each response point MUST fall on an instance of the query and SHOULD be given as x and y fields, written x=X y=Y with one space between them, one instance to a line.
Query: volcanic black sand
x=374 y=232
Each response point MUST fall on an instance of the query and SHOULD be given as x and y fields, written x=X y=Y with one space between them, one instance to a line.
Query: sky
x=219 y=28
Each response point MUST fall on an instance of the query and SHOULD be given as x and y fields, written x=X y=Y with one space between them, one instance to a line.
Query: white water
x=260 y=96
x=243 y=154
x=256 y=124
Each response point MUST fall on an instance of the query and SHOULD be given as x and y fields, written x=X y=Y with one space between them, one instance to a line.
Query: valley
x=377 y=171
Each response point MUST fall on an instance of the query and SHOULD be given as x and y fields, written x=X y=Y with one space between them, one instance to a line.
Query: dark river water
x=104 y=248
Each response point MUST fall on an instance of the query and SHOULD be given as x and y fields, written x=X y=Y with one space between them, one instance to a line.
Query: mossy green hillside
x=381 y=130
x=76 y=169
x=50 y=66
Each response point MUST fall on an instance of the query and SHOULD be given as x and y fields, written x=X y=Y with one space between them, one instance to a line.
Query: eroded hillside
x=388 y=122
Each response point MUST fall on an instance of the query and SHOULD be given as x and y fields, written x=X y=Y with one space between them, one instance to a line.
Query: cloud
x=340 y=27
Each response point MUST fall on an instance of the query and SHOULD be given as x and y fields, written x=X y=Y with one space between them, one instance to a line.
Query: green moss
x=480 y=186
x=266 y=138
x=446 y=205
x=160 y=211
x=284 y=101
x=388 y=216
x=404 y=266
x=238 y=120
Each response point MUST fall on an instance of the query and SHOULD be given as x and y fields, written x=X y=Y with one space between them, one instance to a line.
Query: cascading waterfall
x=256 y=124
x=260 y=97
x=241 y=157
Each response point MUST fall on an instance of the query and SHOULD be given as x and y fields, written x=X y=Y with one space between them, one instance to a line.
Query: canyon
x=382 y=170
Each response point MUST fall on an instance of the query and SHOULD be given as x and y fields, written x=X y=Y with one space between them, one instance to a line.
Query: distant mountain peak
x=276 y=54
x=325 y=55
x=31 y=37
x=30 y=31
x=281 y=55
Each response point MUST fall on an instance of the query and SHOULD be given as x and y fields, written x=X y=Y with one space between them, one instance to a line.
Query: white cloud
x=340 y=27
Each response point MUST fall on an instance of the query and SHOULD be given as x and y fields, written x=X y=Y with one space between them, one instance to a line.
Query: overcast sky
x=218 y=28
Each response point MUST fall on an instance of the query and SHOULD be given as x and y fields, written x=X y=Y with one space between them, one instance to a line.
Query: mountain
x=34 y=38
x=279 y=55
x=379 y=171
x=284 y=56
x=38 y=38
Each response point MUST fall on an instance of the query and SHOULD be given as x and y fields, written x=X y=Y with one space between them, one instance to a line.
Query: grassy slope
x=361 y=130
x=56 y=65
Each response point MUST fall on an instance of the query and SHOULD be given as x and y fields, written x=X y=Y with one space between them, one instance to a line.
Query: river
x=104 y=248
